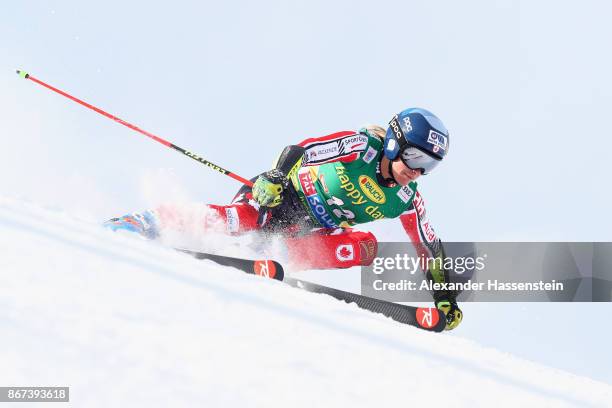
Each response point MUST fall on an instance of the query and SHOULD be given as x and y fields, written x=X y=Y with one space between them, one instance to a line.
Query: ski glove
x=454 y=315
x=268 y=188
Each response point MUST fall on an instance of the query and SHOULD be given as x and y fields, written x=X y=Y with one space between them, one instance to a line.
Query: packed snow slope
x=125 y=322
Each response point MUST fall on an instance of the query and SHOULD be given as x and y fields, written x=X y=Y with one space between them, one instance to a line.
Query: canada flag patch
x=345 y=253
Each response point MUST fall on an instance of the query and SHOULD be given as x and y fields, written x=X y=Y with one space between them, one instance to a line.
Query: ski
x=426 y=318
x=266 y=268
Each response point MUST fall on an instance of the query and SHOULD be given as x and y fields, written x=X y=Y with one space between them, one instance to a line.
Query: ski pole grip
x=23 y=74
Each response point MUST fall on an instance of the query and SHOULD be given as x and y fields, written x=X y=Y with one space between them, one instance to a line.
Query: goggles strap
x=398 y=133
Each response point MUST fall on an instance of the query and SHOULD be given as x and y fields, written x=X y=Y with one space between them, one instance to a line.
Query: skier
x=321 y=187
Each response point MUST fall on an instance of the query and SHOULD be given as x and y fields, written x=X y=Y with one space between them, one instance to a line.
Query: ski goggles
x=417 y=159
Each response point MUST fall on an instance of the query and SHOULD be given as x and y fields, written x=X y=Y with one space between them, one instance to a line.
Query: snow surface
x=125 y=322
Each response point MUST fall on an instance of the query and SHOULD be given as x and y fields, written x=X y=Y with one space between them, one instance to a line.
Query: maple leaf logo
x=344 y=253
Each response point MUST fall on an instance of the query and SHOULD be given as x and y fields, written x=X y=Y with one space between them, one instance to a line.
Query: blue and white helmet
x=418 y=136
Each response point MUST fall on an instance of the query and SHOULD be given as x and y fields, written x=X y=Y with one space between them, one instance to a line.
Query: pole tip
x=23 y=74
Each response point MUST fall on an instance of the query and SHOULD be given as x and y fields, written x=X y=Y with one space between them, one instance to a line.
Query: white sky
x=522 y=86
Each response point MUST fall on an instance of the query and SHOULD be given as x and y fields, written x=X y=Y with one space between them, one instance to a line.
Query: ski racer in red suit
x=323 y=186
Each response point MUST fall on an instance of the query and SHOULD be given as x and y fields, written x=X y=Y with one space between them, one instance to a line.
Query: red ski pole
x=194 y=156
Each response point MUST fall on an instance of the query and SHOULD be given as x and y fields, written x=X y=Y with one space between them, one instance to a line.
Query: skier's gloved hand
x=454 y=315
x=268 y=188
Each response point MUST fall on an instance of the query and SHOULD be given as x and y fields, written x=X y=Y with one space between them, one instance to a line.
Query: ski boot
x=449 y=306
x=142 y=224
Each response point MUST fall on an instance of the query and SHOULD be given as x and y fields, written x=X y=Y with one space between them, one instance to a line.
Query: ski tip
x=22 y=74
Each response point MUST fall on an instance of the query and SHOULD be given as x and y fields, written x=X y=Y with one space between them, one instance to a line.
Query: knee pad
x=324 y=249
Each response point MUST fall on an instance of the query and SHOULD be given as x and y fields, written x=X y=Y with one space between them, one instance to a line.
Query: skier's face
x=402 y=173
